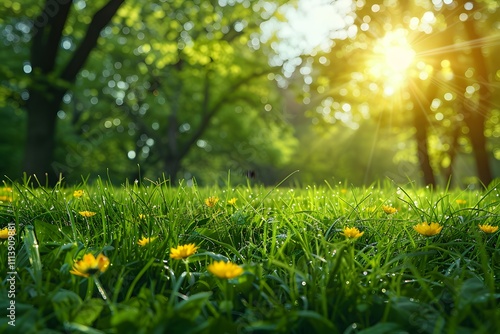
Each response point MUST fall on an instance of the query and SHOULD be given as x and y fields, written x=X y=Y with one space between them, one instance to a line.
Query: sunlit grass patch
x=316 y=259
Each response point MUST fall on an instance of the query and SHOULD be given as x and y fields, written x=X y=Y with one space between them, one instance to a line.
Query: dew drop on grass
x=354 y=326
x=365 y=273
x=303 y=283
x=384 y=290
x=347 y=282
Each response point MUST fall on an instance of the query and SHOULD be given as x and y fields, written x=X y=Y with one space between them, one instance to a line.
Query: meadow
x=156 y=258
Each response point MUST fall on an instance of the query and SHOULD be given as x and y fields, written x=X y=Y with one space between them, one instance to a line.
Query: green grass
x=301 y=275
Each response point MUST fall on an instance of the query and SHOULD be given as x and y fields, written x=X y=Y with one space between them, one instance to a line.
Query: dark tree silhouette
x=49 y=83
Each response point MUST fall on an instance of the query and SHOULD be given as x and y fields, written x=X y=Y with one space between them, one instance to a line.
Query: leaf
x=68 y=246
x=383 y=328
x=108 y=248
x=262 y=326
x=206 y=232
x=214 y=256
x=46 y=232
x=239 y=218
x=421 y=316
x=31 y=245
x=73 y=327
x=88 y=312
x=196 y=224
x=127 y=320
x=320 y=323
x=474 y=291
x=65 y=302
x=191 y=308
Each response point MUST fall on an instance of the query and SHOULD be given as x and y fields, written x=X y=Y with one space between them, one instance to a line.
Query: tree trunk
x=172 y=167
x=421 y=123
x=459 y=85
x=45 y=95
x=421 y=126
x=478 y=142
x=41 y=127
x=172 y=157
x=475 y=116
x=452 y=152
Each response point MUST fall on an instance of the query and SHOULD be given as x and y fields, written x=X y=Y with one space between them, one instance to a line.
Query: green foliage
x=356 y=80
x=300 y=273
x=186 y=88
x=347 y=154
x=169 y=85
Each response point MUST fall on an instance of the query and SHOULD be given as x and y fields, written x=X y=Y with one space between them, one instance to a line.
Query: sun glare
x=393 y=56
x=399 y=57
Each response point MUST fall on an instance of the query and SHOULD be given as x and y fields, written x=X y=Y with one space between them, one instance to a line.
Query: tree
x=196 y=89
x=160 y=77
x=447 y=89
x=51 y=78
x=475 y=114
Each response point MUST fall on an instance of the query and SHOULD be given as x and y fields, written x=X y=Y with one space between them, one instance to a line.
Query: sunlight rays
x=391 y=61
x=441 y=88
x=487 y=41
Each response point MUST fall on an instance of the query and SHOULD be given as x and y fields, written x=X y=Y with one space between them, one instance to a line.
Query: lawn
x=154 y=258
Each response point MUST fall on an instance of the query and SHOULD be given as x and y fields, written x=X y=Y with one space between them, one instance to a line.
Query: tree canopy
x=354 y=90
x=421 y=69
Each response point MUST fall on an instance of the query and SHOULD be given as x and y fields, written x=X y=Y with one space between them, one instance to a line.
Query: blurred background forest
x=354 y=91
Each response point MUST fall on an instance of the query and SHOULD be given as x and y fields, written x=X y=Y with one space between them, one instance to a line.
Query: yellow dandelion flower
x=90 y=265
x=142 y=216
x=428 y=229
x=351 y=232
x=4 y=198
x=87 y=213
x=226 y=270
x=389 y=209
x=7 y=189
x=145 y=241
x=487 y=228
x=211 y=201
x=78 y=193
x=4 y=233
x=183 y=251
x=460 y=201
x=232 y=201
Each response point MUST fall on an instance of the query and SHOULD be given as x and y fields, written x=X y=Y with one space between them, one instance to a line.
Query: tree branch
x=205 y=121
x=44 y=51
x=99 y=21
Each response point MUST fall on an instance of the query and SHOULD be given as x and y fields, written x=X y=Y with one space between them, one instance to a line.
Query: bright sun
x=393 y=56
